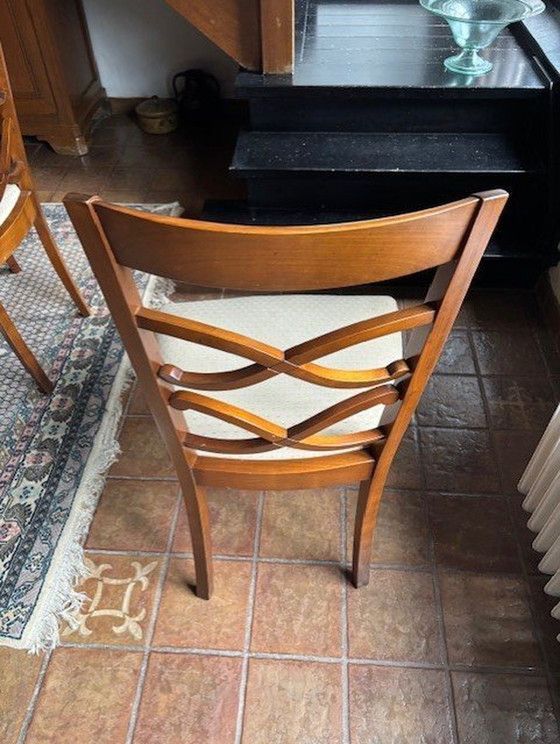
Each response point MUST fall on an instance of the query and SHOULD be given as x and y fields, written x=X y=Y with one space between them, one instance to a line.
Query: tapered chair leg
x=13 y=265
x=58 y=263
x=22 y=351
x=199 y=524
x=369 y=499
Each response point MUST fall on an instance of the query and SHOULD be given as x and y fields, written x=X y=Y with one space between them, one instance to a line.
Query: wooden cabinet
x=52 y=69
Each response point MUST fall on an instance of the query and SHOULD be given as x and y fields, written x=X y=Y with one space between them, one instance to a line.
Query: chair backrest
x=274 y=259
x=452 y=238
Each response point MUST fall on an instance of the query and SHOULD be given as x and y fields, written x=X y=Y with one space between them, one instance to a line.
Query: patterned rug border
x=59 y=599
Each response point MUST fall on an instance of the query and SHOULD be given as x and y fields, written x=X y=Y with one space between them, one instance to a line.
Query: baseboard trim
x=123 y=105
x=127 y=105
x=550 y=306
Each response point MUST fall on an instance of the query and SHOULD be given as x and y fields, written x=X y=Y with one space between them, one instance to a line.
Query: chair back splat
x=287 y=390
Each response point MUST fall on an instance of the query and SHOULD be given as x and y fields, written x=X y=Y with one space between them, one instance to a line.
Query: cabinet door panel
x=19 y=32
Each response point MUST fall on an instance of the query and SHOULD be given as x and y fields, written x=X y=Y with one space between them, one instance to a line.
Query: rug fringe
x=62 y=600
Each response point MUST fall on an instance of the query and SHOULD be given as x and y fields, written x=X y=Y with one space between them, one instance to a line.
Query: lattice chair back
x=260 y=391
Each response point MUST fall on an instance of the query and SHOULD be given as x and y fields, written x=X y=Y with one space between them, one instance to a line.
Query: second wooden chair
x=20 y=210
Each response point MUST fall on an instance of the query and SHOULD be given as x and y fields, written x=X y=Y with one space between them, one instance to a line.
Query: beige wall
x=140 y=44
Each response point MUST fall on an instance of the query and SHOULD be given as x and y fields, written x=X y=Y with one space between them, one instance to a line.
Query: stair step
x=267 y=153
x=315 y=81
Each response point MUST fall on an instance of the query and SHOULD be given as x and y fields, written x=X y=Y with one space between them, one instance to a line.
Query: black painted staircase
x=371 y=124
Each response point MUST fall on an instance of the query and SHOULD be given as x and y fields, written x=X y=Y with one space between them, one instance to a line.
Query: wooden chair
x=190 y=350
x=19 y=211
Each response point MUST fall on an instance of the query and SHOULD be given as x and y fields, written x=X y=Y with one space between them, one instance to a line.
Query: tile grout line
x=400 y=567
x=34 y=698
x=279 y=561
x=362 y=661
x=344 y=629
x=438 y=602
x=445 y=655
x=241 y=703
x=133 y=720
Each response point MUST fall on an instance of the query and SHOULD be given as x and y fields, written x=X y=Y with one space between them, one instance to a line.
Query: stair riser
x=399 y=195
x=384 y=191
x=374 y=115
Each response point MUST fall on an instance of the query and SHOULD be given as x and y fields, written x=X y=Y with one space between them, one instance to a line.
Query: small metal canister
x=158 y=115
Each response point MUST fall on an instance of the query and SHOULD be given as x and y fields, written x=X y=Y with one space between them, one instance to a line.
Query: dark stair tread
x=260 y=153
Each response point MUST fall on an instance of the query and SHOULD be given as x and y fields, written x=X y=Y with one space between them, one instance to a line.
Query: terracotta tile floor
x=451 y=643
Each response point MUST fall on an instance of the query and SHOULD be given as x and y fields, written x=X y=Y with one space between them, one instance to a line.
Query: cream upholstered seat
x=8 y=201
x=282 y=399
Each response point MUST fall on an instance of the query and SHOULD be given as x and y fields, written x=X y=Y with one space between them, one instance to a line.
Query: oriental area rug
x=55 y=450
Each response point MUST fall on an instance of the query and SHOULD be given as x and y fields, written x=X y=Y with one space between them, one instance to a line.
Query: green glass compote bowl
x=475 y=24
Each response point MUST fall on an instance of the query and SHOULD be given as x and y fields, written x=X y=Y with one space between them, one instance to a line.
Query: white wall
x=139 y=44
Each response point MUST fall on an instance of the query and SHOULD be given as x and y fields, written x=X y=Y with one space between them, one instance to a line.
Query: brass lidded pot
x=158 y=115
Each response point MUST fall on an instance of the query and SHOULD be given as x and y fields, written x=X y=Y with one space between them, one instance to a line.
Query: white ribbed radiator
x=541 y=485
